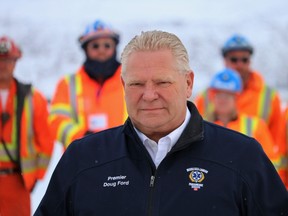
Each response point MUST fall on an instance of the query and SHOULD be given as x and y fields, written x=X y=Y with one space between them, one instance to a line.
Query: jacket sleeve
x=263 y=192
x=64 y=127
x=274 y=123
x=263 y=135
x=275 y=128
x=43 y=139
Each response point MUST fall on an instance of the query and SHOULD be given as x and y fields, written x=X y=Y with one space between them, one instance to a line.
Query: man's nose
x=150 y=92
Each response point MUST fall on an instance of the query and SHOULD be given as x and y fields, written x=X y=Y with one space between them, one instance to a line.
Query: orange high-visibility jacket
x=36 y=143
x=80 y=104
x=286 y=126
x=284 y=140
x=257 y=99
x=257 y=128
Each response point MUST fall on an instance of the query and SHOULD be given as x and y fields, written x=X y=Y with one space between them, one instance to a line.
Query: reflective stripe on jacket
x=80 y=104
x=36 y=143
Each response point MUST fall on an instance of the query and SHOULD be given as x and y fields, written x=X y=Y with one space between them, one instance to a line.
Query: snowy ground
x=47 y=31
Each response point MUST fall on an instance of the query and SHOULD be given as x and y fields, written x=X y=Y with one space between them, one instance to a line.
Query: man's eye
x=164 y=83
x=135 y=84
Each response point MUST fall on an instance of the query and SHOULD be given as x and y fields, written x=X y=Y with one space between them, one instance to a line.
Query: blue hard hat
x=237 y=42
x=98 y=29
x=227 y=80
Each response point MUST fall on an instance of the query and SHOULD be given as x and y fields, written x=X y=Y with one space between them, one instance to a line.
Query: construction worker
x=92 y=99
x=224 y=88
x=284 y=139
x=257 y=98
x=26 y=143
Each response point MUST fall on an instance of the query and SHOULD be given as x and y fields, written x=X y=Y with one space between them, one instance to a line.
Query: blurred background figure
x=224 y=88
x=26 y=144
x=256 y=98
x=92 y=99
x=284 y=139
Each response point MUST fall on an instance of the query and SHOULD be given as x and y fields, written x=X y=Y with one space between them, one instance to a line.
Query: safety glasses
x=234 y=60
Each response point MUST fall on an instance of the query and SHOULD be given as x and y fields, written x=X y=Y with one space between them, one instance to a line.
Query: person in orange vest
x=257 y=98
x=92 y=99
x=284 y=140
x=26 y=143
x=224 y=88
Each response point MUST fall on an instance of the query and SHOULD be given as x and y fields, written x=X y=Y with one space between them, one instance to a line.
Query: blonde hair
x=154 y=41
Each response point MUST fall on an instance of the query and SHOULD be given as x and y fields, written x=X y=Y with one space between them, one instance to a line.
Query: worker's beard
x=101 y=71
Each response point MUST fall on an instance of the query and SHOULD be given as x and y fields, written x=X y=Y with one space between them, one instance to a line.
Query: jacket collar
x=193 y=132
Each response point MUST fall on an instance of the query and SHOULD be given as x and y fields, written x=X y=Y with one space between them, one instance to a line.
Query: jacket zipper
x=151 y=193
x=152 y=179
x=152 y=187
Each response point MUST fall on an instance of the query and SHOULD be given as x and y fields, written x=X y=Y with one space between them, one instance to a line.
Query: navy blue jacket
x=210 y=171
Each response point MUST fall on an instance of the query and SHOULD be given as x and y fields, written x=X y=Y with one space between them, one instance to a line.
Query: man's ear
x=190 y=82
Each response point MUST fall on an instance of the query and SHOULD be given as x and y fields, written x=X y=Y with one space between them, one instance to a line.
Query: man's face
x=7 y=66
x=155 y=92
x=240 y=62
x=101 y=49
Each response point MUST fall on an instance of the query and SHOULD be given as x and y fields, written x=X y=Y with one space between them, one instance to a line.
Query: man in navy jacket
x=165 y=160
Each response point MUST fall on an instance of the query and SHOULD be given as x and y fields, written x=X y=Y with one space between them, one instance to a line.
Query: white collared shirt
x=159 y=151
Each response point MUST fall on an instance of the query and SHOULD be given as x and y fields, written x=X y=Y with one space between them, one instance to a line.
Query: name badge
x=97 y=122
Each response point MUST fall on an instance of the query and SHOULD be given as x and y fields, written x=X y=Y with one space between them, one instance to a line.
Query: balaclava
x=101 y=71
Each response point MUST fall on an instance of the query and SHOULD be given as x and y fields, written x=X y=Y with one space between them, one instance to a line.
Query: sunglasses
x=98 y=45
x=235 y=59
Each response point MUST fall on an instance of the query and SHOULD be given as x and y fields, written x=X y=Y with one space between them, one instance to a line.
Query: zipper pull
x=152 y=179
